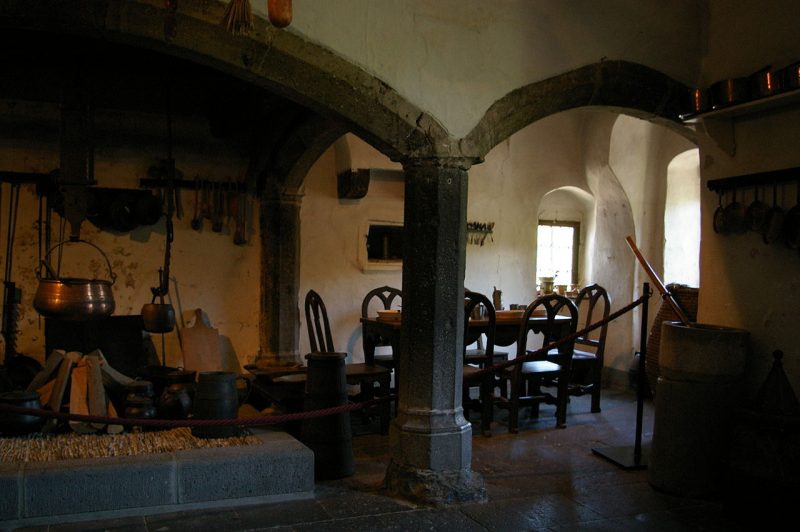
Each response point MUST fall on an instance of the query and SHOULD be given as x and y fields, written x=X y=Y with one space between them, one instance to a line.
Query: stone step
x=279 y=468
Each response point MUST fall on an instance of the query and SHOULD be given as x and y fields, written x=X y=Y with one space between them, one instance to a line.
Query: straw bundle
x=238 y=17
x=44 y=448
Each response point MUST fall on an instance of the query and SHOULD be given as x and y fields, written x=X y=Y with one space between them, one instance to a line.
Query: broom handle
x=665 y=294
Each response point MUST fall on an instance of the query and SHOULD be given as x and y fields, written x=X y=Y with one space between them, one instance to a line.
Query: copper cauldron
x=73 y=298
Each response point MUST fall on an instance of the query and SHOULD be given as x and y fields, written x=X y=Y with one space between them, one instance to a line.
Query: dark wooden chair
x=587 y=357
x=474 y=363
x=365 y=375
x=530 y=378
x=382 y=298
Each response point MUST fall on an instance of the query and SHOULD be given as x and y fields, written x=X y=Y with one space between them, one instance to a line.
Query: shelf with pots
x=765 y=215
x=716 y=108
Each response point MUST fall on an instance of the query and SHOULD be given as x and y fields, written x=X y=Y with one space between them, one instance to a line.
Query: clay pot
x=13 y=424
x=175 y=402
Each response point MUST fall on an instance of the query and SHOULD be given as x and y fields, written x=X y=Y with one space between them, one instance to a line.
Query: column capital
x=461 y=163
x=291 y=196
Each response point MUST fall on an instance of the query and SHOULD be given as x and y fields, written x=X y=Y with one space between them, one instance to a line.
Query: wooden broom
x=238 y=16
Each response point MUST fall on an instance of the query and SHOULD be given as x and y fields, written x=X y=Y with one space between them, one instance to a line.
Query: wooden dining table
x=378 y=332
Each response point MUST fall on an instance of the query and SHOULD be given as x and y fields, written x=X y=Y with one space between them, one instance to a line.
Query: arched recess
x=682 y=220
x=572 y=204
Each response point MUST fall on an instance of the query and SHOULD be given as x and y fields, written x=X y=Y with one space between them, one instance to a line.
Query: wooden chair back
x=319 y=328
x=553 y=305
x=471 y=301
x=386 y=295
x=598 y=307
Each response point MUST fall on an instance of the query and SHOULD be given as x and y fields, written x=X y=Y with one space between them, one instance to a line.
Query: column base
x=434 y=488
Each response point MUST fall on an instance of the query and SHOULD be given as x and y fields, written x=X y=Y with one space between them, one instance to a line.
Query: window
x=380 y=245
x=385 y=243
x=557 y=251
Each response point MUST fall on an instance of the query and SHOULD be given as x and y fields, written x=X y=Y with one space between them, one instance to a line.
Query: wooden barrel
x=216 y=397
x=698 y=392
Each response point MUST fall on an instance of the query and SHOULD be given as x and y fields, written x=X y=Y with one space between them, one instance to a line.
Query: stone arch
x=343 y=95
x=619 y=86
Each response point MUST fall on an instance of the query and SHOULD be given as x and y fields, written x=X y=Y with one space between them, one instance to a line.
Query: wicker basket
x=687 y=299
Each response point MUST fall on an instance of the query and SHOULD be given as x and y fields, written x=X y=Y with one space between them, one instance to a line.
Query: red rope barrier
x=281 y=418
x=571 y=338
x=246 y=421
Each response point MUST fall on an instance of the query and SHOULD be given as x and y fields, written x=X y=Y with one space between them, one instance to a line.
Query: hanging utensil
x=160 y=317
x=216 y=224
x=239 y=234
x=773 y=226
x=197 y=222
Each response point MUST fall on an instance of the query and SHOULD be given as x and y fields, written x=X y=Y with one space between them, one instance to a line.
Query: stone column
x=430 y=441
x=279 y=323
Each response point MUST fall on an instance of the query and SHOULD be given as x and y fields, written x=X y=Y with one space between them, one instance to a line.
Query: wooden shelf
x=761 y=105
x=750 y=180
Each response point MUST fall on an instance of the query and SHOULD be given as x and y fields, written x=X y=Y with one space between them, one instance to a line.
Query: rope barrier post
x=625 y=456
x=330 y=437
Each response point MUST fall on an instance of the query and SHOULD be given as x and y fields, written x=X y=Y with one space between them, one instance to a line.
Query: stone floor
x=540 y=479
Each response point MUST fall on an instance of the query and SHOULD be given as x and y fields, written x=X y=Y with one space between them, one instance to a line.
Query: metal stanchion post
x=634 y=457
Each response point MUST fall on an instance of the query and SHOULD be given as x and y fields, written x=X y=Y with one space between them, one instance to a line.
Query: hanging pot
x=72 y=298
x=791 y=76
x=730 y=92
x=773 y=226
x=756 y=215
x=735 y=216
x=699 y=101
x=158 y=317
x=766 y=82
x=719 y=217
x=791 y=224
x=148 y=209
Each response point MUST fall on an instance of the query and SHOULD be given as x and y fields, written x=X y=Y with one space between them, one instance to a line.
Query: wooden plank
x=60 y=386
x=113 y=428
x=46 y=391
x=200 y=346
x=78 y=403
x=96 y=390
x=111 y=377
x=49 y=369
